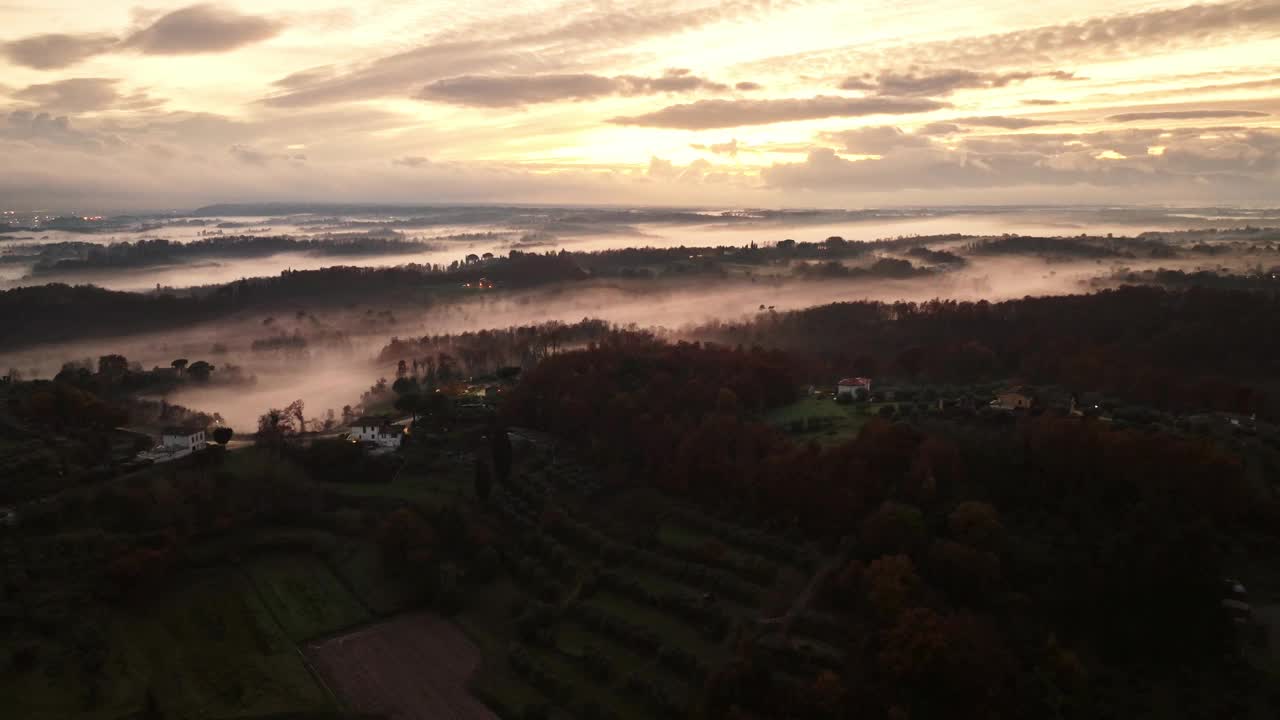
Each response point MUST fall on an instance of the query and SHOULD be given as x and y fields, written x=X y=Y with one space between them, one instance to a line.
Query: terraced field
x=618 y=621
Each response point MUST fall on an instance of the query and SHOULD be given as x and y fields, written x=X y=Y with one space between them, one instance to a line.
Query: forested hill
x=1177 y=349
x=987 y=568
x=58 y=312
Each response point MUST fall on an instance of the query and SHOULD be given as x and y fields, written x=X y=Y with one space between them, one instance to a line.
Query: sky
x=750 y=103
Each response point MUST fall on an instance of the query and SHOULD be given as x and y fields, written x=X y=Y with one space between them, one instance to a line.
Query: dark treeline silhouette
x=80 y=256
x=62 y=312
x=1074 y=248
x=484 y=351
x=935 y=257
x=1179 y=350
x=993 y=568
x=885 y=268
x=1256 y=279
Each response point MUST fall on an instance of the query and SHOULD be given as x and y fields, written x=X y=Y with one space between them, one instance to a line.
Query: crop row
x=711 y=620
x=751 y=569
x=771 y=546
x=589 y=540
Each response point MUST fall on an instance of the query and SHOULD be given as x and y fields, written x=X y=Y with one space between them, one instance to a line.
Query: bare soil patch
x=413 y=667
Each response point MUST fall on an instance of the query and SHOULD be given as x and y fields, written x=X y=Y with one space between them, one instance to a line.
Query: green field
x=304 y=596
x=204 y=649
x=823 y=419
x=359 y=566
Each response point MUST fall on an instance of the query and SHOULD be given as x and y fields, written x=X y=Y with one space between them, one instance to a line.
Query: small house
x=1019 y=398
x=854 y=387
x=183 y=437
x=377 y=430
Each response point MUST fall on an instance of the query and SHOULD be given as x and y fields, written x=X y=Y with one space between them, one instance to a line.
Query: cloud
x=516 y=90
x=252 y=156
x=706 y=114
x=700 y=171
x=961 y=125
x=1107 y=38
x=659 y=168
x=1006 y=123
x=875 y=140
x=936 y=83
x=530 y=43
x=82 y=95
x=201 y=29
x=411 y=161
x=42 y=129
x=747 y=86
x=1193 y=159
x=55 y=50
x=1185 y=115
x=397 y=74
x=195 y=29
x=1041 y=101
x=940 y=128
x=726 y=148
x=302 y=78
x=859 y=83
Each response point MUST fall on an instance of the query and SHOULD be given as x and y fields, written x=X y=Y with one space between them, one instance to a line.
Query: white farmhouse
x=377 y=430
x=183 y=437
x=852 y=386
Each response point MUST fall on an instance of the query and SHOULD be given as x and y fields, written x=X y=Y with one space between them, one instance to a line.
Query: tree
x=273 y=425
x=891 y=583
x=484 y=483
x=200 y=371
x=895 y=528
x=180 y=364
x=409 y=403
x=113 y=366
x=295 y=410
x=404 y=385
x=348 y=415
x=222 y=435
x=977 y=524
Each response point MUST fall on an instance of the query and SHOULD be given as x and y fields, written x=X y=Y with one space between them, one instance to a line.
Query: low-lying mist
x=334 y=361
x=455 y=234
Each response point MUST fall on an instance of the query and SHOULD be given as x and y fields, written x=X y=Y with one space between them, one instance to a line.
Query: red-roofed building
x=853 y=387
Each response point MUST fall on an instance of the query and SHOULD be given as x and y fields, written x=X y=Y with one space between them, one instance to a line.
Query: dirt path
x=802 y=600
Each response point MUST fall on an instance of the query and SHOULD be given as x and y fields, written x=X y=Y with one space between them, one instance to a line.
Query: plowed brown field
x=414 y=667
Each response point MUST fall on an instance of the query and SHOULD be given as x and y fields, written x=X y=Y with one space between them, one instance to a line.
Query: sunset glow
x=741 y=103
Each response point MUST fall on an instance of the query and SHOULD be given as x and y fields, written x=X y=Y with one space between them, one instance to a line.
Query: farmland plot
x=414 y=667
x=304 y=596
